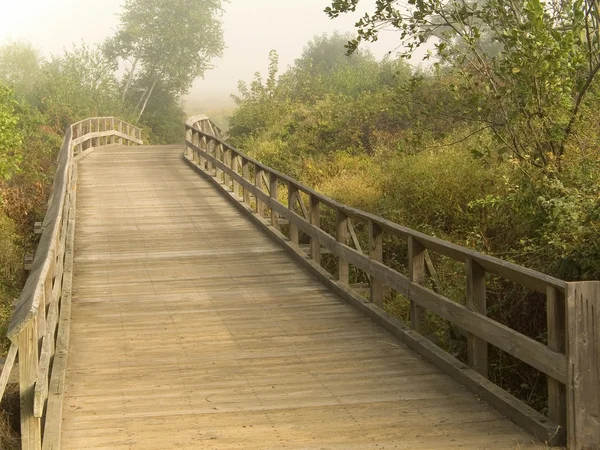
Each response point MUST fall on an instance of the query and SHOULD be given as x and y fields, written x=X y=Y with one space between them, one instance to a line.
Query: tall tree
x=167 y=44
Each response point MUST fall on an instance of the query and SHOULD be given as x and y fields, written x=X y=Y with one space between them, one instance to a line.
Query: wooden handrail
x=38 y=322
x=206 y=150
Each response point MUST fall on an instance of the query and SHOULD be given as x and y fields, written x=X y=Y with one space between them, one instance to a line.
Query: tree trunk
x=129 y=80
x=145 y=102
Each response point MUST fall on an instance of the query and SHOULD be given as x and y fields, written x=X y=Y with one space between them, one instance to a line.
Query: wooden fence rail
x=39 y=326
x=570 y=360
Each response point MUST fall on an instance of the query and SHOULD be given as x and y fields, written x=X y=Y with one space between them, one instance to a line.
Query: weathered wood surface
x=583 y=390
x=191 y=329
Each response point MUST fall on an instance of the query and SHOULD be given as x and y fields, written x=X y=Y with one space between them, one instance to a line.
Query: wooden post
x=583 y=365
x=228 y=162
x=120 y=129
x=477 y=348
x=112 y=129
x=555 y=319
x=31 y=433
x=273 y=192
x=315 y=219
x=246 y=176
x=195 y=152
x=292 y=199
x=235 y=168
x=342 y=237
x=258 y=183
x=376 y=254
x=416 y=273
x=219 y=157
x=189 y=137
x=79 y=134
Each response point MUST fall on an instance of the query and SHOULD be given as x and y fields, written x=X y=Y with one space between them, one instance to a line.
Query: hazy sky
x=252 y=29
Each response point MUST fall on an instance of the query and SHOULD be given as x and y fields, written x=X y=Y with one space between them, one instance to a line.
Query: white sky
x=252 y=29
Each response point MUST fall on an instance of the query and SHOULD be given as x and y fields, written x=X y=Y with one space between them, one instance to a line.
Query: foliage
x=80 y=83
x=529 y=88
x=11 y=136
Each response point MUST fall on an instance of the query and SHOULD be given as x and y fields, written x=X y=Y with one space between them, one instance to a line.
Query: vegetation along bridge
x=177 y=300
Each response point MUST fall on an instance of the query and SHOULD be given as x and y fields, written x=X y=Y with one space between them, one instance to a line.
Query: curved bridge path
x=192 y=330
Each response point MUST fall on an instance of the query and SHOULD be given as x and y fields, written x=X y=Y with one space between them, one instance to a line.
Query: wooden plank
x=342 y=237
x=353 y=235
x=583 y=393
x=266 y=181
x=416 y=269
x=31 y=437
x=228 y=161
x=7 y=368
x=293 y=198
x=477 y=348
x=432 y=272
x=315 y=221
x=556 y=320
x=235 y=164
x=246 y=175
x=47 y=352
x=376 y=254
x=273 y=191
x=258 y=180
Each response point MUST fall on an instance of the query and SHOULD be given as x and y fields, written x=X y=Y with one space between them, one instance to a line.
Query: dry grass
x=9 y=419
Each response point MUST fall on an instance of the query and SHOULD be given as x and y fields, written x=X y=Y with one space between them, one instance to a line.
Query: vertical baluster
x=235 y=169
x=273 y=191
x=31 y=433
x=342 y=238
x=246 y=175
x=219 y=157
x=228 y=163
x=293 y=197
x=258 y=182
x=315 y=219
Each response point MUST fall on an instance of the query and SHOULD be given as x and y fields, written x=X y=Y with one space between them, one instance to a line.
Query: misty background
x=252 y=28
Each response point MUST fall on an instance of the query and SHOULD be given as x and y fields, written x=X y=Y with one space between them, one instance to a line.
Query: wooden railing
x=99 y=131
x=39 y=329
x=570 y=360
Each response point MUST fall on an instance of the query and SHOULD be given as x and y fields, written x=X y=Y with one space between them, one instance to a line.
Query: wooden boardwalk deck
x=192 y=330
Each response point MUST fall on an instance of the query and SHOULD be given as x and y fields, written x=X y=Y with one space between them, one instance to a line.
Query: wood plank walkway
x=192 y=330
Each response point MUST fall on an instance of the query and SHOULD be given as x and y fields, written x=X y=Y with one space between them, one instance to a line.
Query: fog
x=252 y=28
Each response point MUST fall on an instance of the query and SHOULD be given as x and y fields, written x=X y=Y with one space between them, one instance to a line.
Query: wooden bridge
x=178 y=300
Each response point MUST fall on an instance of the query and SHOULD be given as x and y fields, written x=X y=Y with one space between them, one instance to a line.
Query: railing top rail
x=528 y=278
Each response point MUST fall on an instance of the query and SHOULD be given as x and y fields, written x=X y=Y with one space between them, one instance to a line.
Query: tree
x=80 y=83
x=167 y=44
x=530 y=94
x=20 y=66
